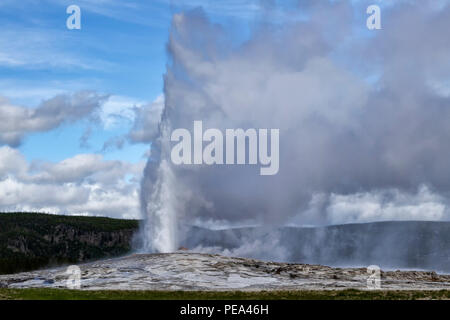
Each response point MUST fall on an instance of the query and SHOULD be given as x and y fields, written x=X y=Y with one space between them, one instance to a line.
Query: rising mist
x=363 y=117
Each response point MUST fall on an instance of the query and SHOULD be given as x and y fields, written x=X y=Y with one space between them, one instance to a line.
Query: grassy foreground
x=350 y=294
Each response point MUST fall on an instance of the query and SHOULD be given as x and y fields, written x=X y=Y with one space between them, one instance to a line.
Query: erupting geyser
x=363 y=131
x=158 y=200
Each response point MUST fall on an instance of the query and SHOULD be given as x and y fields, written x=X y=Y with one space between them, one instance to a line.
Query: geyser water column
x=158 y=199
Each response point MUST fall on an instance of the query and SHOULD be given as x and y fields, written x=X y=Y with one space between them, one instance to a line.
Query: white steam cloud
x=363 y=120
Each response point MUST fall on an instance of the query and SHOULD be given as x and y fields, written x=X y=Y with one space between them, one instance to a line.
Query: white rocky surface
x=193 y=271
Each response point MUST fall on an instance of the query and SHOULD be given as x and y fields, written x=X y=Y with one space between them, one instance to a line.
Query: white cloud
x=17 y=121
x=390 y=204
x=387 y=205
x=118 y=108
x=85 y=184
x=28 y=92
x=144 y=118
x=12 y=162
x=147 y=118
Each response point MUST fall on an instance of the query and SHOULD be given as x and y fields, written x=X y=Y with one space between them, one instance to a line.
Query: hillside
x=30 y=241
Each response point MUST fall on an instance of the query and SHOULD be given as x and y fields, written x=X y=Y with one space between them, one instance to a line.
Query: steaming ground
x=194 y=271
x=391 y=245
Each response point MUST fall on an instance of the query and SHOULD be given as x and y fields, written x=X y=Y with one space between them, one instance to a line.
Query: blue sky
x=78 y=108
x=119 y=51
x=109 y=55
x=119 y=54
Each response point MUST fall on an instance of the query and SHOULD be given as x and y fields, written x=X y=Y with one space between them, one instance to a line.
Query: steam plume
x=363 y=118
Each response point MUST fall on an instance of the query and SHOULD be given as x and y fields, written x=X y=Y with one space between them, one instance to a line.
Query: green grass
x=350 y=294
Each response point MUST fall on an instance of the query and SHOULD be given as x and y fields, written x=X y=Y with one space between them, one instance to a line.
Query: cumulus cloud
x=357 y=114
x=83 y=184
x=12 y=162
x=146 y=121
x=141 y=118
x=119 y=109
x=17 y=122
x=388 y=205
